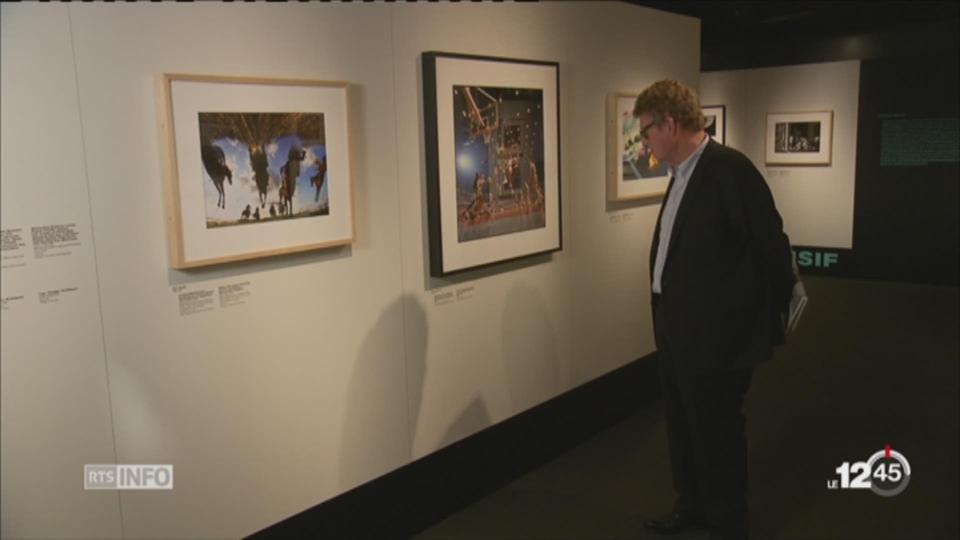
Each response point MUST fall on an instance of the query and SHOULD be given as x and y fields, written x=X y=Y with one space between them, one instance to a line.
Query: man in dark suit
x=721 y=276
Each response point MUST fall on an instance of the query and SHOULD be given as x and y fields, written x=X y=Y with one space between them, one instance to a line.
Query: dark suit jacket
x=728 y=273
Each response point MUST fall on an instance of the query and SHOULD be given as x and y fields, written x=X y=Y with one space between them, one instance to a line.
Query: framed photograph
x=633 y=172
x=492 y=159
x=253 y=167
x=716 y=122
x=799 y=138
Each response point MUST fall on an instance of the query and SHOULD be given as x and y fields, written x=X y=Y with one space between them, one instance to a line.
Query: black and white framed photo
x=716 y=122
x=492 y=137
x=799 y=138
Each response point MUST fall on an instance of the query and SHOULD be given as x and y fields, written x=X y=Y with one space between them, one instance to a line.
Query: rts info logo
x=886 y=473
x=128 y=476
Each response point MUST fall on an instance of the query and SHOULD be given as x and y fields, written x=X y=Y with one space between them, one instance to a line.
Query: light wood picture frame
x=254 y=167
x=799 y=138
x=633 y=172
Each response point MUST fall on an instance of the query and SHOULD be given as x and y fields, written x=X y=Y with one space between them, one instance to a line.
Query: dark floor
x=870 y=363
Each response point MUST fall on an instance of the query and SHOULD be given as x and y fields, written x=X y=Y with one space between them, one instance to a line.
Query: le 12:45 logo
x=886 y=473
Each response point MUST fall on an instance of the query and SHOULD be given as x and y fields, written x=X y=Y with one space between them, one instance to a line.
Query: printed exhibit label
x=54 y=240
x=234 y=294
x=198 y=301
x=12 y=246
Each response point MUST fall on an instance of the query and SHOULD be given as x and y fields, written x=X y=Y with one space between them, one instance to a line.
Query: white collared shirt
x=681 y=177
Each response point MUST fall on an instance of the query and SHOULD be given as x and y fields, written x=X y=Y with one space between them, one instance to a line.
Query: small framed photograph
x=254 y=167
x=492 y=149
x=799 y=138
x=633 y=172
x=716 y=122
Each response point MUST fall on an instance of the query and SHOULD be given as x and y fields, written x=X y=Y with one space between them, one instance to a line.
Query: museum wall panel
x=55 y=400
x=816 y=201
x=523 y=332
x=274 y=384
x=610 y=241
x=268 y=406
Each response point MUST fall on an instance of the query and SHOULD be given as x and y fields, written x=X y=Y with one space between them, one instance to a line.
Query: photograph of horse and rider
x=260 y=167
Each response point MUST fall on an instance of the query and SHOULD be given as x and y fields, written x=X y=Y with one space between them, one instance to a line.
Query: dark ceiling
x=745 y=25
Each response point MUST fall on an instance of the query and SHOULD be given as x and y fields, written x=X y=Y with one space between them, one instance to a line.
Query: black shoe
x=675 y=523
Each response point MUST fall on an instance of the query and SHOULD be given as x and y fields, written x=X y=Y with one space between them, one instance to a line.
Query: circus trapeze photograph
x=498 y=150
x=493 y=156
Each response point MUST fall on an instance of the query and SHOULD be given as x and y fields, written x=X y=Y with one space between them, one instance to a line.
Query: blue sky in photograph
x=244 y=189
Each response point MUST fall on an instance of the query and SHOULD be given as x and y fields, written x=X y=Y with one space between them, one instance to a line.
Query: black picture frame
x=492 y=157
x=719 y=126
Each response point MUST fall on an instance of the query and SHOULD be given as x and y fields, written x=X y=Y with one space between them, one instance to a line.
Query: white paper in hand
x=797 y=303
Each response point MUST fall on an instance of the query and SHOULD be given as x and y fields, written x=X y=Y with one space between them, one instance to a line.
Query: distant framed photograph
x=716 y=122
x=254 y=167
x=633 y=172
x=799 y=138
x=492 y=149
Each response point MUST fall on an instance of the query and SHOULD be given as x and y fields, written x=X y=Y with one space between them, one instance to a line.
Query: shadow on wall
x=531 y=373
x=529 y=345
x=369 y=440
x=372 y=434
x=473 y=419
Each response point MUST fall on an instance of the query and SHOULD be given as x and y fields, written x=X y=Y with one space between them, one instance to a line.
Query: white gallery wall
x=55 y=414
x=816 y=202
x=339 y=365
x=536 y=328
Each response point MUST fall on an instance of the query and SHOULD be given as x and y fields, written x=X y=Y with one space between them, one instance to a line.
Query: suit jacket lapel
x=693 y=185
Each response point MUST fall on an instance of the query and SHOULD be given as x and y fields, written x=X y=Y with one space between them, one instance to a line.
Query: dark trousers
x=706 y=432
